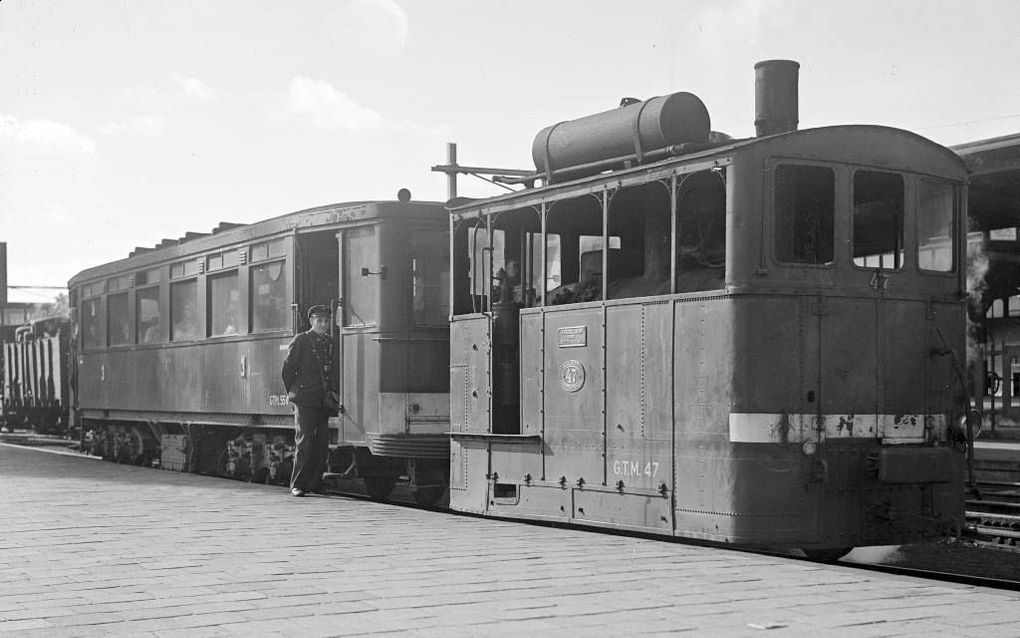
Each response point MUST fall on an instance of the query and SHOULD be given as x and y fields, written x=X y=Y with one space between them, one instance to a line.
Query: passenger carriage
x=181 y=346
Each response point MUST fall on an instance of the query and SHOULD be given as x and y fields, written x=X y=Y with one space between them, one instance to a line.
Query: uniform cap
x=318 y=311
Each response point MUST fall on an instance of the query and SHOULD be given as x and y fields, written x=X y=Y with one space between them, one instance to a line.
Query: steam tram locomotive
x=749 y=341
x=181 y=346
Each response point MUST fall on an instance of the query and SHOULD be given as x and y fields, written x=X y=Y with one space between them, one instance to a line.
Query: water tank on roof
x=635 y=129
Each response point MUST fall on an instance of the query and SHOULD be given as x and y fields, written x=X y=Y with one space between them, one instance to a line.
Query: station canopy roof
x=994 y=166
x=994 y=210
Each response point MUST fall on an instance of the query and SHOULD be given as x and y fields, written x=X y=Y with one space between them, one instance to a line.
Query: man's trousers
x=311 y=434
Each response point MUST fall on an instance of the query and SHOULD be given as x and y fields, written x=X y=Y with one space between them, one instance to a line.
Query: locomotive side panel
x=574 y=408
x=703 y=373
x=862 y=462
x=639 y=411
x=469 y=374
x=533 y=379
x=469 y=413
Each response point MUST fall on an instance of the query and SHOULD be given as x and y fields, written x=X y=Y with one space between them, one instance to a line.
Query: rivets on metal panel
x=563 y=481
x=527 y=479
x=619 y=485
x=495 y=476
x=580 y=510
x=580 y=482
x=663 y=489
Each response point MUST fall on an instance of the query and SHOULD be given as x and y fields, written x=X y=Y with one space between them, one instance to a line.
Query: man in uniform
x=308 y=378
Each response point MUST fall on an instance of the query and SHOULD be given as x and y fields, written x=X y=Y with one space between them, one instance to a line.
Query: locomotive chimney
x=775 y=97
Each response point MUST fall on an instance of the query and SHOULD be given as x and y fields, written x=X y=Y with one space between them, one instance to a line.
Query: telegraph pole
x=3 y=274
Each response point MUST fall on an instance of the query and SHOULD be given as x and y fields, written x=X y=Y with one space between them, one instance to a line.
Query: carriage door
x=355 y=327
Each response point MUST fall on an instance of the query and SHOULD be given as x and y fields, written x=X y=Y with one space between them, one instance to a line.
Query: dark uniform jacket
x=308 y=368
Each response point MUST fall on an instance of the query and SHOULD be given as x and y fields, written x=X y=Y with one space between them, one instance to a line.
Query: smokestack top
x=775 y=97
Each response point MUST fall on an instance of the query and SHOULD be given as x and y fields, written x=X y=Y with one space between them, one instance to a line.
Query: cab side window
x=804 y=209
x=878 y=220
x=936 y=230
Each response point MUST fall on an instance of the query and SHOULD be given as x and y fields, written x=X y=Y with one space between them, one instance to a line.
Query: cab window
x=804 y=210
x=878 y=220
x=936 y=233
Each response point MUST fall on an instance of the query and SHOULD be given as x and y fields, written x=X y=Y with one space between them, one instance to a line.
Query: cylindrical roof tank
x=775 y=97
x=640 y=126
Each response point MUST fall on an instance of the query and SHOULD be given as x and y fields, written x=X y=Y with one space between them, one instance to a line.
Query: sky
x=123 y=122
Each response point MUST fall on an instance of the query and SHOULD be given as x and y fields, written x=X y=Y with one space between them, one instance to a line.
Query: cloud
x=371 y=29
x=328 y=108
x=194 y=88
x=44 y=137
x=145 y=125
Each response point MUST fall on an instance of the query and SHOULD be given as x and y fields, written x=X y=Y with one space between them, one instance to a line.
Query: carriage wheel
x=429 y=495
x=379 y=487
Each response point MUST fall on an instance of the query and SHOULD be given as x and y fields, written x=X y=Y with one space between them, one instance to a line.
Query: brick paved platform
x=89 y=548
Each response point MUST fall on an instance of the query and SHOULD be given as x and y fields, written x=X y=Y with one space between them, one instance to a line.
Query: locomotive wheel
x=828 y=554
x=429 y=495
x=379 y=487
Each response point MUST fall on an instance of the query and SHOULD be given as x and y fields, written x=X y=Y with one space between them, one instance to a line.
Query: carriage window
x=996 y=310
x=361 y=277
x=878 y=220
x=93 y=332
x=935 y=229
x=14 y=316
x=224 y=305
x=268 y=297
x=117 y=317
x=1012 y=306
x=184 y=269
x=430 y=277
x=184 y=310
x=147 y=313
x=804 y=214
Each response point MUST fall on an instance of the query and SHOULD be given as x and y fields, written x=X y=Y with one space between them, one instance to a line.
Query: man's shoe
x=297 y=491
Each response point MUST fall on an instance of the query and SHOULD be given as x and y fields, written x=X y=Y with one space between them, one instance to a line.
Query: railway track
x=993 y=514
x=948 y=577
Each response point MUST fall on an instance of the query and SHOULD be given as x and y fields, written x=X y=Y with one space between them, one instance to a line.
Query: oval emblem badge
x=571 y=375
